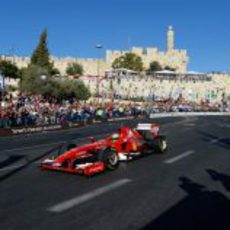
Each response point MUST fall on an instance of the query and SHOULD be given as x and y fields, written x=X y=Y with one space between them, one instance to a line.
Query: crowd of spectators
x=36 y=110
x=193 y=87
x=24 y=111
x=182 y=105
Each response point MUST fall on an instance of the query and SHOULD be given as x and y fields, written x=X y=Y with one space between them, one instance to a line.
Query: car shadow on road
x=215 y=140
x=222 y=178
x=200 y=209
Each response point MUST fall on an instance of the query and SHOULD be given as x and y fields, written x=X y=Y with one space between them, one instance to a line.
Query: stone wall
x=172 y=57
x=146 y=86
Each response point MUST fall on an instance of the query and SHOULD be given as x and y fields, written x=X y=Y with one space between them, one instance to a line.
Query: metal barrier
x=184 y=114
x=35 y=129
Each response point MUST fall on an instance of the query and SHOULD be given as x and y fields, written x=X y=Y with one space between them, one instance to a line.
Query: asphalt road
x=186 y=188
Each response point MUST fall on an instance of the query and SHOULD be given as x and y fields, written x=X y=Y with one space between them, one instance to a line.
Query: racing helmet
x=114 y=137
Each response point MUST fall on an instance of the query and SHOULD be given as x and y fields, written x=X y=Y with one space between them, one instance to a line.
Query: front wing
x=87 y=169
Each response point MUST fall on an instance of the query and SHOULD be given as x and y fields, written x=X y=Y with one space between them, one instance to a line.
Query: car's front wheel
x=110 y=157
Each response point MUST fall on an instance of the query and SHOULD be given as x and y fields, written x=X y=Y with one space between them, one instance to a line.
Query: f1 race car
x=97 y=156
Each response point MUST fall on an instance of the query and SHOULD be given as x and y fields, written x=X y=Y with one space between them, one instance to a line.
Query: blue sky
x=76 y=26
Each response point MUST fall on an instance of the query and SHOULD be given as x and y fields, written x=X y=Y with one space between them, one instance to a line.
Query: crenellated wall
x=177 y=59
x=172 y=57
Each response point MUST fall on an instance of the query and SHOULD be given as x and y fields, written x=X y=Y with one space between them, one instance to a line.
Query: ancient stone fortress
x=172 y=57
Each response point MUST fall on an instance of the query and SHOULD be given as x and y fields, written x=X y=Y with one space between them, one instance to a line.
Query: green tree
x=74 y=69
x=34 y=82
x=73 y=88
x=41 y=55
x=169 y=68
x=54 y=72
x=9 y=69
x=153 y=67
x=129 y=61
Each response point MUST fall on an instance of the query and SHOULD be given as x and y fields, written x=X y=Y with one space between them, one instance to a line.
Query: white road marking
x=63 y=206
x=29 y=147
x=219 y=141
x=214 y=141
x=224 y=125
x=12 y=167
x=185 y=120
x=190 y=124
x=179 y=157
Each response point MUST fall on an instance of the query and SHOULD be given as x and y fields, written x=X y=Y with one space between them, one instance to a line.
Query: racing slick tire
x=161 y=144
x=110 y=157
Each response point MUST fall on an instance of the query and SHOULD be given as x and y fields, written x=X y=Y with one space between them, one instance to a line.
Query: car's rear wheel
x=110 y=157
x=161 y=144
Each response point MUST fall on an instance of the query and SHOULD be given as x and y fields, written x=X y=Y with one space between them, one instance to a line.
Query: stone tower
x=170 y=39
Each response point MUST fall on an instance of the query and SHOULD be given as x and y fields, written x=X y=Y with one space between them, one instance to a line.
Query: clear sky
x=76 y=26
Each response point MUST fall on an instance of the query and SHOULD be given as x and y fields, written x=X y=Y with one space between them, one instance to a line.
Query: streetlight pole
x=3 y=84
x=98 y=46
x=44 y=82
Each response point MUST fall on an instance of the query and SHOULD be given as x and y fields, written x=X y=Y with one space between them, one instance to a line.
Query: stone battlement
x=172 y=57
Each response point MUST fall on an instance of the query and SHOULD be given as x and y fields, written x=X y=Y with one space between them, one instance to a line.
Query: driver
x=115 y=136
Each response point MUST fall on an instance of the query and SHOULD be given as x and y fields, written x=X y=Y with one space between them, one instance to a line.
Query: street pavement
x=186 y=188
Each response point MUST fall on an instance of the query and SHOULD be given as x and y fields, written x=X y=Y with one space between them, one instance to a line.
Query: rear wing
x=148 y=126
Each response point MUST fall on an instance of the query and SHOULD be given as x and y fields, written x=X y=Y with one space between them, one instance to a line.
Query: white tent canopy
x=165 y=72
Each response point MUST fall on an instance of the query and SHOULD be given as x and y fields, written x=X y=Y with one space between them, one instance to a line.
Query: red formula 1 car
x=97 y=156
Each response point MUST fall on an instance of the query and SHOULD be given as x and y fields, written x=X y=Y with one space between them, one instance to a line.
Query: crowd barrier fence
x=35 y=129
